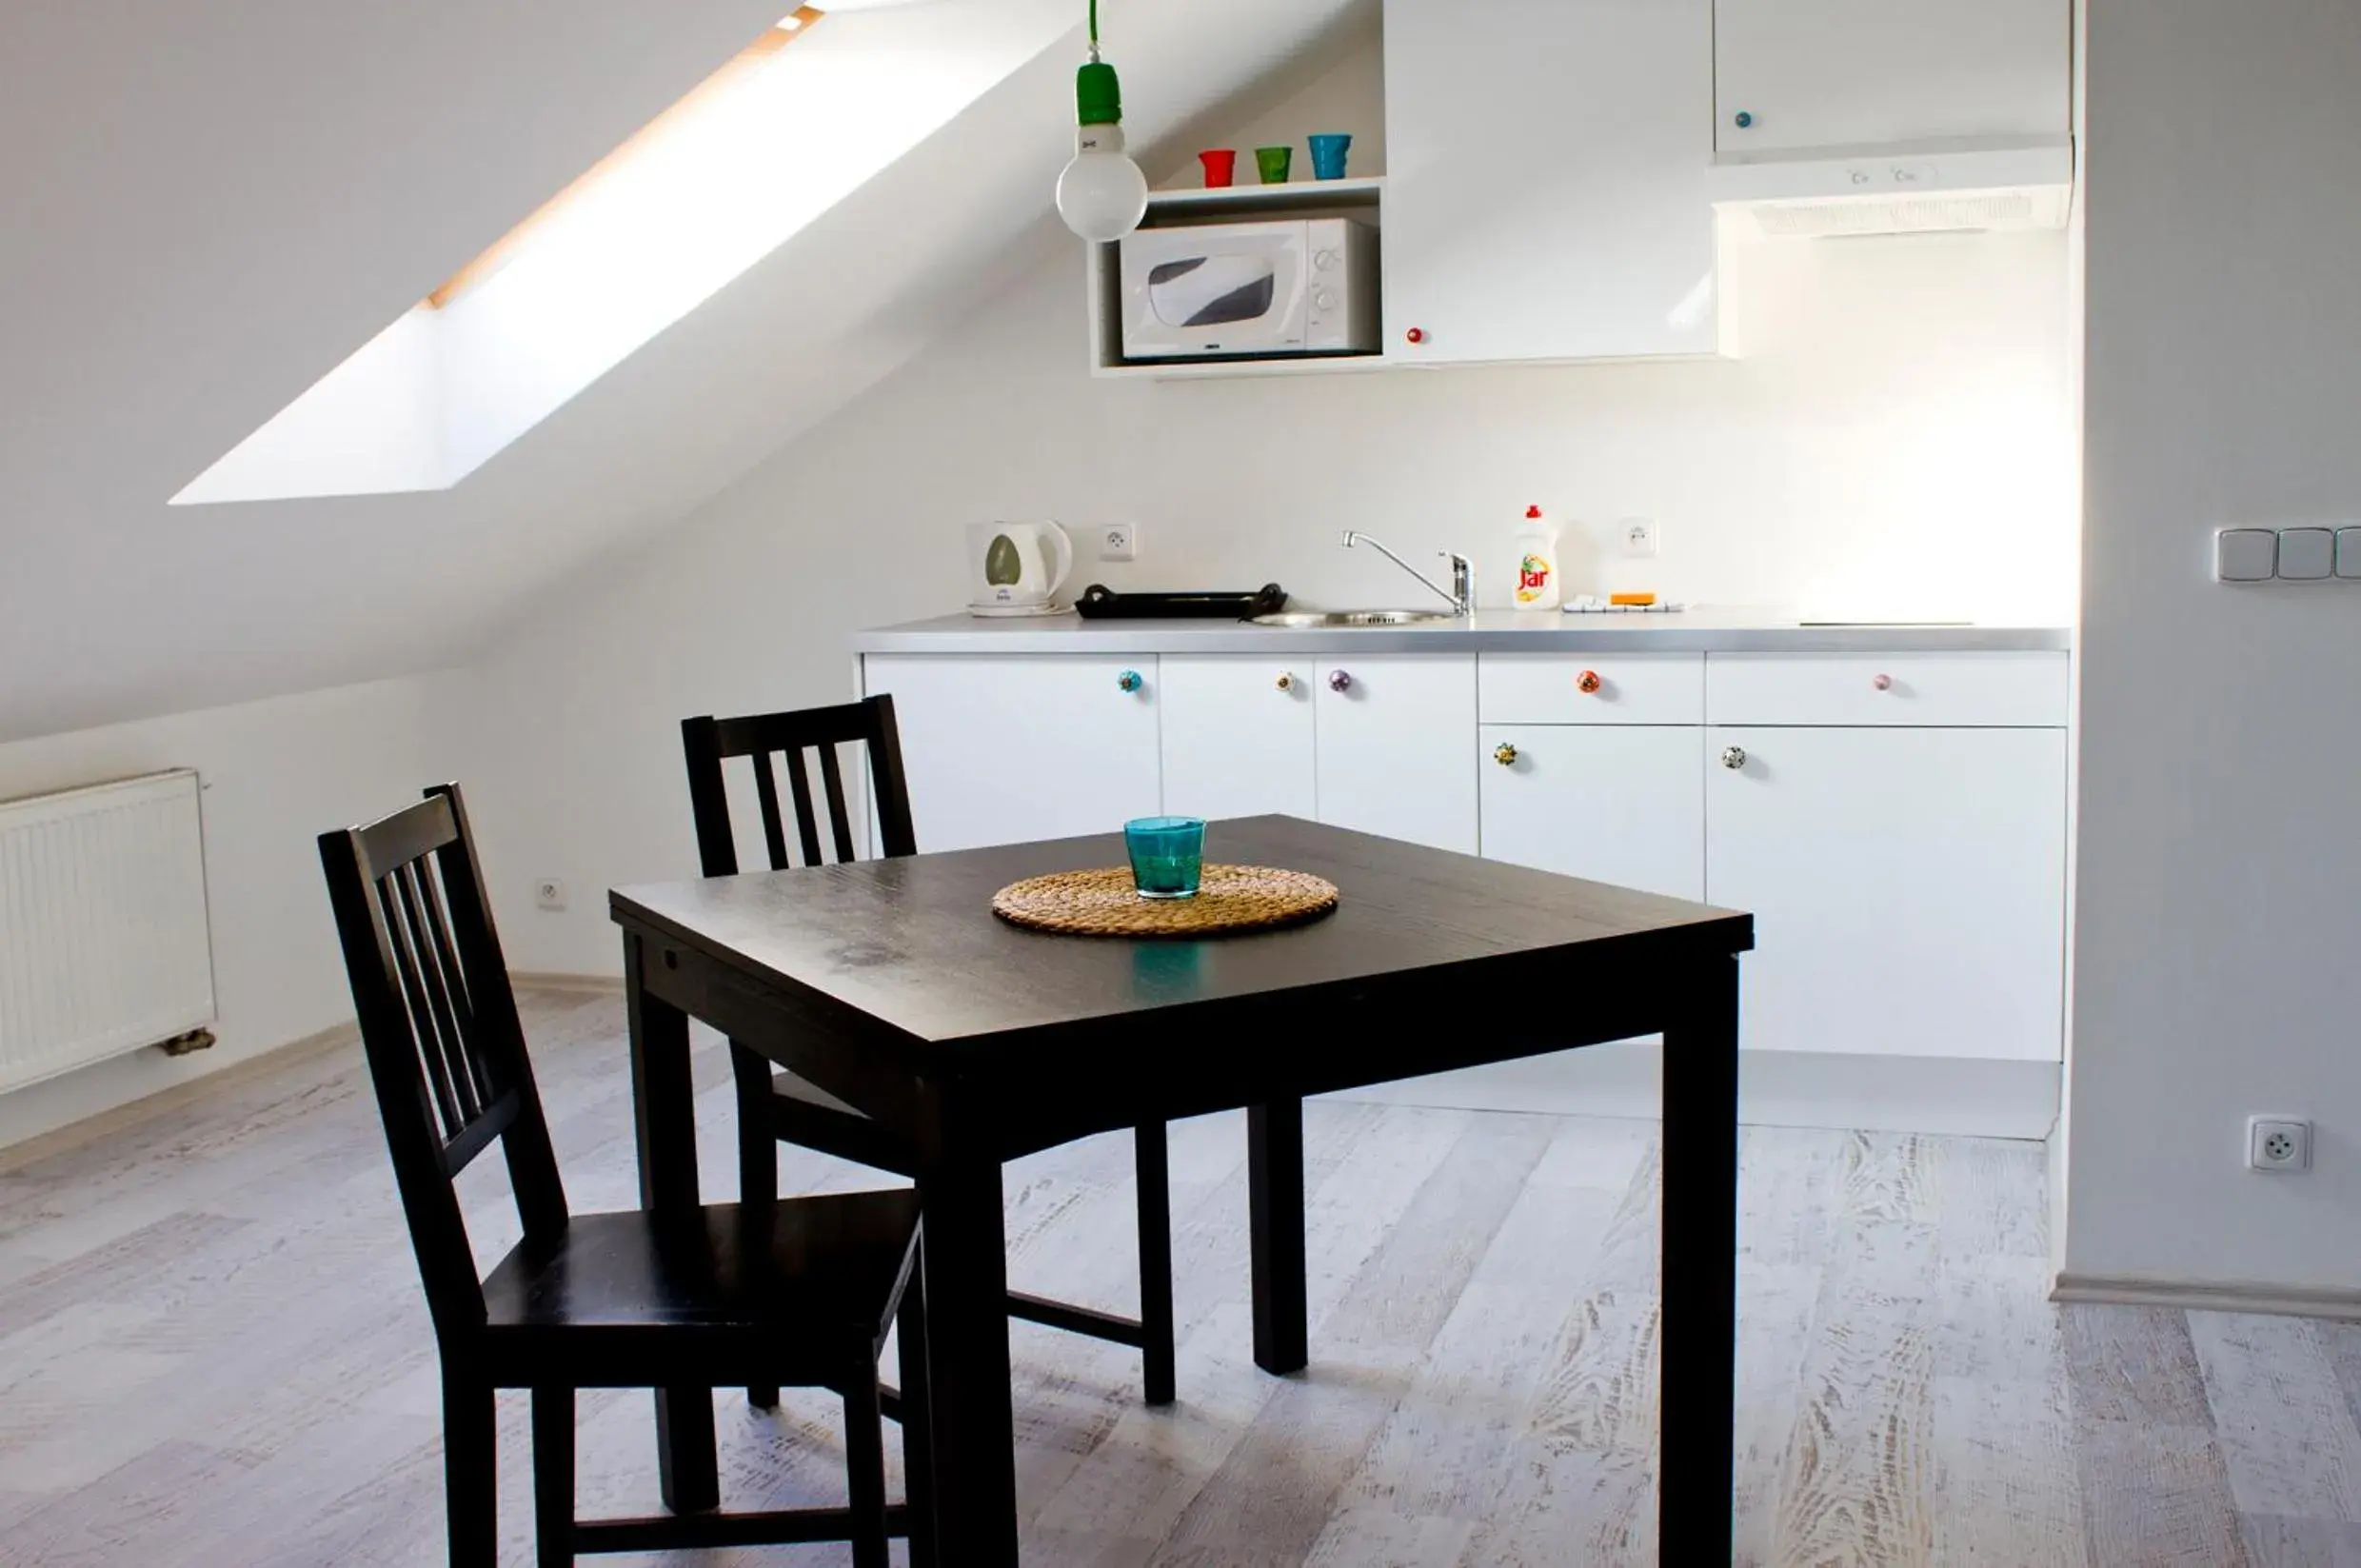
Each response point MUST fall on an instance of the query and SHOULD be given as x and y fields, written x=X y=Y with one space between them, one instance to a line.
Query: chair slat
x=806 y=824
x=833 y=780
x=445 y=979
x=421 y=1024
x=433 y=960
x=774 y=832
x=455 y=975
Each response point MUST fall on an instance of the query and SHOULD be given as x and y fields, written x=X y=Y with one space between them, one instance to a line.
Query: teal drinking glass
x=1167 y=855
x=1328 y=152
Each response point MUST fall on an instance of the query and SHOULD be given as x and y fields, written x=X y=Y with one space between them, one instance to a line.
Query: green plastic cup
x=1274 y=161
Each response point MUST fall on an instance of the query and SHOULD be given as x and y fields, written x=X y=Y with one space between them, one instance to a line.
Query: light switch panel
x=2244 y=555
x=2349 y=552
x=2306 y=555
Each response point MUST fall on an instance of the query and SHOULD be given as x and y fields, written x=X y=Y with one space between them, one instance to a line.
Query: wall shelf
x=1234 y=369
x=1361 y=199
x=1296 y=199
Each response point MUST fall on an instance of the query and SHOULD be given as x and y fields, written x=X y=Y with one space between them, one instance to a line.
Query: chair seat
x=826 y=1287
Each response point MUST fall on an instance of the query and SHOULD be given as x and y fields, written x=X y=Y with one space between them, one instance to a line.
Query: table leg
x=1275 y=1197
x=665 y=1116
x=1152 y=1163
x=972 y=1420
x=1700 y=1343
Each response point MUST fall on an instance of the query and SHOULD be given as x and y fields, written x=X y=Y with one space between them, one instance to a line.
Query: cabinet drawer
x=1999 y=691
x=1559 y=688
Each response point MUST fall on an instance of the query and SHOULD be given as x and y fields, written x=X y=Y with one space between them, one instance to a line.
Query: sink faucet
x=1462 y=590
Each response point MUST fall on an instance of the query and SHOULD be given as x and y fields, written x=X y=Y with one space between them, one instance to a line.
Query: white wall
x=1898 y=443
x=2218 y=909
x=275 y=774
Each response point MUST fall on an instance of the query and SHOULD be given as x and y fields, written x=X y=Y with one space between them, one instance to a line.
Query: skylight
x=733 y=77
x=746 y=159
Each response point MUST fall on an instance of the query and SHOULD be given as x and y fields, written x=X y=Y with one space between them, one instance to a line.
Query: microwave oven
x=1306 y=286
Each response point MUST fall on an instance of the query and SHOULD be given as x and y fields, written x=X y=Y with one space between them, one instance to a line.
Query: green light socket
x=1098 y=97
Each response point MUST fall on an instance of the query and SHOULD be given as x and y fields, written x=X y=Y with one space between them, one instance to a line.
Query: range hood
x=1925 y=189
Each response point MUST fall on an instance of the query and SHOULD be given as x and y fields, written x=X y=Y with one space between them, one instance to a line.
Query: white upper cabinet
x=1793 y=76
x=1393 y=745
x=1237 y=734
x=1000 y=749
x=1546 y=180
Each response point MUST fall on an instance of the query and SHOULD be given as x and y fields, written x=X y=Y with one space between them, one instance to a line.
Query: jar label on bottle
x=1533 y=576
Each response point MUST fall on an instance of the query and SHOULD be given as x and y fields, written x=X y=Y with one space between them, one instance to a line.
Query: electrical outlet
x=1119 y=542
x=550 y=893
x=1640 y=536
x=2277 y=1143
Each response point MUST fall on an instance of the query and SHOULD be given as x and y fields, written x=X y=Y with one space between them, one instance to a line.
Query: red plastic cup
x=1221 y=167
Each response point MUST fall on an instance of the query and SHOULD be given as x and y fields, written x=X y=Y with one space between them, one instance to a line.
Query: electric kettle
x=1015 y=569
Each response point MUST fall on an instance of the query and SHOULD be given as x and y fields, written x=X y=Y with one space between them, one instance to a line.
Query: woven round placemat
x=1104 y=902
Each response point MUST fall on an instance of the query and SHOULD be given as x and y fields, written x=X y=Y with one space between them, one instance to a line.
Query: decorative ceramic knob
x=1504 y=754
x=1745 y=120
x=1339 y=680
x=1883 y=683
x=1129 y=680
x=1416 y=334
x=1286 y=681
x=1734 y=758
x=1588 y=681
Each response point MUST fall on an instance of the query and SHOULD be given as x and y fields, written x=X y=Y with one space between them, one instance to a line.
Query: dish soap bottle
x=1537 y=563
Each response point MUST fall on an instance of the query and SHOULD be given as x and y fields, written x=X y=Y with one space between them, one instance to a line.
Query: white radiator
x=103 y=946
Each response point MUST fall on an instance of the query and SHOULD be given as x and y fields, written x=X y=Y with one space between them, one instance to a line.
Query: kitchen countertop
x=1705 y=630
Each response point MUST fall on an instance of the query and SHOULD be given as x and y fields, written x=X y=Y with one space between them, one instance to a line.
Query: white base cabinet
x=1393 y=748
x=1894 y=823
x=1238 y=735
x=1005 y=748
x=1908 y=886
x=1622 y=803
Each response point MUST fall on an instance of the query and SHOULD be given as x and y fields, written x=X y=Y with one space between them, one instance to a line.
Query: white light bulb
x=1101 y=195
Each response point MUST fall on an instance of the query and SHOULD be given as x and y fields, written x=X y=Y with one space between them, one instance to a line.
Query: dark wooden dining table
x=890 y=985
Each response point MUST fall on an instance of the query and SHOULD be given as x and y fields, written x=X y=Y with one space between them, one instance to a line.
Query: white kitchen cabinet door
x=1238 y=734
x=1908 y=886
x=1810 y=74
x=1393 y=745
x=1547 y=166
x=1005 y=748
x=1621 y=803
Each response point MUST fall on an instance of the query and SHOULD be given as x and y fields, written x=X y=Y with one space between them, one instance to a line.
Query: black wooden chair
x=777 y=1105
x=597 y=1300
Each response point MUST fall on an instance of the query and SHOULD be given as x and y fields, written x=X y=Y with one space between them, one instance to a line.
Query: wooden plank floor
x=213 y=1350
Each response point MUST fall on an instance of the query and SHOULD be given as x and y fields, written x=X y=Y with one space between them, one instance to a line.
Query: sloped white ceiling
x=205 y=207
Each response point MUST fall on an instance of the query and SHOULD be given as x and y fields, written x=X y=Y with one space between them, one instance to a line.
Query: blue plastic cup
x=1167 y=855
x=1328 y=151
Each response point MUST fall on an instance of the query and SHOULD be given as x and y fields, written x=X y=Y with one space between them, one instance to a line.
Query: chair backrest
x=708 y=741
x=439 y=1027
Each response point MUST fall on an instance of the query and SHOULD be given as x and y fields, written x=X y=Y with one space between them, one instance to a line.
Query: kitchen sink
x=1319 y=619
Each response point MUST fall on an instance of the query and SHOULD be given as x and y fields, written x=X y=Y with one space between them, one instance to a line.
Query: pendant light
x=1101 y=195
